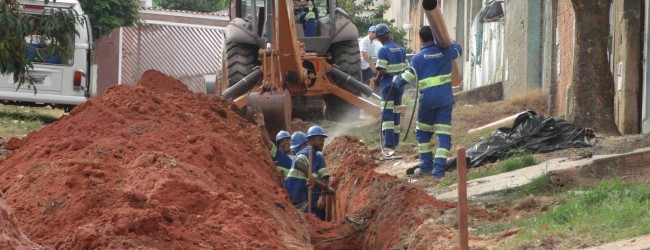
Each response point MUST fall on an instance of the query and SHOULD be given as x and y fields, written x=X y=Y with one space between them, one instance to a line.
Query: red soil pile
x=10 y=235
x=150 y=166
x=378 y=211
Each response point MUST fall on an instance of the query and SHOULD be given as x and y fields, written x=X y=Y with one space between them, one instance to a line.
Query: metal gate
x=186 y=52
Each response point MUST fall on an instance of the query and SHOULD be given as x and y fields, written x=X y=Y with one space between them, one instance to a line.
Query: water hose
x=381 y=126
x=416 y=103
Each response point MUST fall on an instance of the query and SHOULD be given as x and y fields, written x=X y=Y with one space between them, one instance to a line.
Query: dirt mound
x=150 y=166
x=10 y=236
x=379 y=211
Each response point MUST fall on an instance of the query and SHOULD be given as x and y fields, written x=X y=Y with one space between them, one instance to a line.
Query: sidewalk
x=638 y=243
x=622 y=165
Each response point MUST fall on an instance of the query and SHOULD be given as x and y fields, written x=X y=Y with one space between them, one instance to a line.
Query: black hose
x=381 y=123
x=416 y=103
x=350 y=84
x=244 y=85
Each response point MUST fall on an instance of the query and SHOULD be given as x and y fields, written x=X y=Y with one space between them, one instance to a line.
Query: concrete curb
x=633 y=163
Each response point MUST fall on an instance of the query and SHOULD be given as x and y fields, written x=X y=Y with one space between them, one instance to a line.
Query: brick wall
x=564 y=50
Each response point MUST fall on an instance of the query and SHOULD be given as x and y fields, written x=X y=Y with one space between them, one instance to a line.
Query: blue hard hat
x=315 y=130
x=297 y=139
x=281 y=135
x=382 y=29
x=372 y=28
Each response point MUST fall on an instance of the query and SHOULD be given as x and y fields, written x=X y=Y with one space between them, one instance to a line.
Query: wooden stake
x=309 y=188
x=462 y=199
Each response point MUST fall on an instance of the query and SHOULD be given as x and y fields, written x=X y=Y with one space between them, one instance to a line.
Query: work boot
x=420 y=172
x=411 y=170
x=438 y=171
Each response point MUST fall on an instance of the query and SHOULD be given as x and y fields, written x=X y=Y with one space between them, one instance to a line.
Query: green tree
x=192 y=5
x=105 y=15
x=364 y=22
x=25 y=38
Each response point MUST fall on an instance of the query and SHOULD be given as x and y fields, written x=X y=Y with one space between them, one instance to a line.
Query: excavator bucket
x=276 y=108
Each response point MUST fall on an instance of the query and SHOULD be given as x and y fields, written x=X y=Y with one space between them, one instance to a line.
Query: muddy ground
x=156 y=166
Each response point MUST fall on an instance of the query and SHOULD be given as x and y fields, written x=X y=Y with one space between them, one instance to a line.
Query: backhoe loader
x=269 y=64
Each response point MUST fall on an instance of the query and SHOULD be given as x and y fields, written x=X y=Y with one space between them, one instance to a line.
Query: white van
x=59 y=81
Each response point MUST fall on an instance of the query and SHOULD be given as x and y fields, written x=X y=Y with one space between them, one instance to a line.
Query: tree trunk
x=591 y=101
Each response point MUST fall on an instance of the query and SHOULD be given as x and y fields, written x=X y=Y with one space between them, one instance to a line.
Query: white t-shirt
x=370 y=47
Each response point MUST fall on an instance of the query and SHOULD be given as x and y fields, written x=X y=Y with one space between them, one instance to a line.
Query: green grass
x=468 y=139
x=517 y=161
x=18 y=121
x=608 y=212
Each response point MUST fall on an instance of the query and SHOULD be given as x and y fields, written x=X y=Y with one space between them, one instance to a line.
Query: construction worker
x=306 y=17
x=299 y=179
x=298 y=141
x=367 y=48
x=282 y=158
x=433 y=67
x=391 y=60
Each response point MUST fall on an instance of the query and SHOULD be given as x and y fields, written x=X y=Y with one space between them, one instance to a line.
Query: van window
x=39 y=42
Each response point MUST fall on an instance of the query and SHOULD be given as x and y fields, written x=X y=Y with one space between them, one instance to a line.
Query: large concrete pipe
x=441 y=35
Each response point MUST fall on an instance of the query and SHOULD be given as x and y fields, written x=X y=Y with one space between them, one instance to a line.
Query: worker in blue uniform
x=298 y=180
x=391 y=61
x=305 y=16
x=298 y=141
x=433 y=67
x=280 y=151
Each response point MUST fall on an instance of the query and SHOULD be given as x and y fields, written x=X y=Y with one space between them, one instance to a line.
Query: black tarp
x=530 y=132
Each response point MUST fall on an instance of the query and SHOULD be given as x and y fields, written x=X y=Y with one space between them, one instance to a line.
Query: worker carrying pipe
x=433 y=66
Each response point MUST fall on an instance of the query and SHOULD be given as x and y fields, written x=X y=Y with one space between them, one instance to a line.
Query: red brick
x=632 y=159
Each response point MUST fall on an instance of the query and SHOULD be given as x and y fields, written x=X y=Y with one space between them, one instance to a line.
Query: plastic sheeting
x=530 y=132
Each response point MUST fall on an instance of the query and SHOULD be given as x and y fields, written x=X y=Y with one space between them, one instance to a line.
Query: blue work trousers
x=390 y=115
x=433 y=120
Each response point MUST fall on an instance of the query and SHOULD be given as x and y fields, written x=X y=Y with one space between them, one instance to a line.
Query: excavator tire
x=241 y=59
x=346 y=55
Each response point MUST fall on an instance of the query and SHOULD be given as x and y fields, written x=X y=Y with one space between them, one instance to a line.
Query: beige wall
x=626 y=48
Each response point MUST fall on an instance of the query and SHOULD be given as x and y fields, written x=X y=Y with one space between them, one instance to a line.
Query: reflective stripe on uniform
x=434 y=81
x=285 y=171
x=295 y=173
x=425 y=127
x=381 y=63
x=442 y=153
x=408 y=76
x=443 y=129
x=426 y=147
x=395 y=68
x=388 y=104
x=273 y=151
x=397 y=129
x=323 y=172
x=387 y=125
x=310 y=15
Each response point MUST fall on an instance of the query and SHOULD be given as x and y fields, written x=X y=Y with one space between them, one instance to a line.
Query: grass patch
x=467 y=139
x=512 y=163
x=608 y=212
x=18 y=121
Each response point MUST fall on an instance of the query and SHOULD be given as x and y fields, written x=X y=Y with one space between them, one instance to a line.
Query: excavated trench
x=157 y=166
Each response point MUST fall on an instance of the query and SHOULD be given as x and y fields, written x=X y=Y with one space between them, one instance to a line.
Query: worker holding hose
x=391 y=60
x=433 y=68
